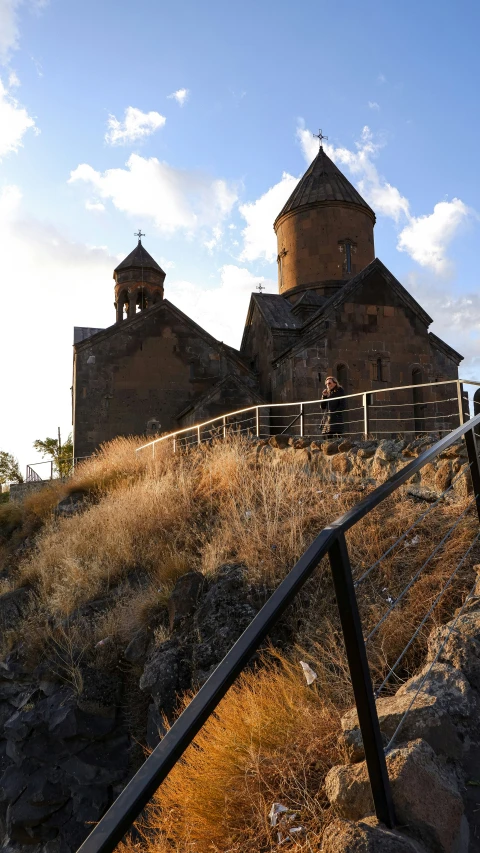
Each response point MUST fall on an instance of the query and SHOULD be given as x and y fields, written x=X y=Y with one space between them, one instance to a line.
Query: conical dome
x=323 y=183
x=137 y=259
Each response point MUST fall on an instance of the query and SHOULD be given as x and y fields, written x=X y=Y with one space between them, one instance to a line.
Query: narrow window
x=348 y=257
x=379 y=370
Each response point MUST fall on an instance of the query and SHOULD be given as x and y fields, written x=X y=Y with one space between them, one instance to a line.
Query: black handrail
x=129 y=804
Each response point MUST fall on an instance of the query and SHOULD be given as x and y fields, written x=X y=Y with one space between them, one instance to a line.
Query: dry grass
x=272 y=740
x=154 y=519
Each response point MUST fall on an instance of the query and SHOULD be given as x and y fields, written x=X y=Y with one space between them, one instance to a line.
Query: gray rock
x=13 y=607
x=425 y=795
x=185 y=597
x=368 y=836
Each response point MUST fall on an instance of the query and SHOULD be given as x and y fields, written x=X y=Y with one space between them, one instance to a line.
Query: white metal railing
x=438 y=409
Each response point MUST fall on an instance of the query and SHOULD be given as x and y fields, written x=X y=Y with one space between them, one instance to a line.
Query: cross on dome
x=260 y=287
x=320 y=137
x=139 y=234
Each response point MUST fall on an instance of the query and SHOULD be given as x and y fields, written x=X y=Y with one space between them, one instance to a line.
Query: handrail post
x=361 y=680
x=474 y=466
x=174 y=443
x=198 y=435
x=301 y=420
x=366 y=425
x=153 y=451
x=460 y=402
x=224 y=426
x=257 y=422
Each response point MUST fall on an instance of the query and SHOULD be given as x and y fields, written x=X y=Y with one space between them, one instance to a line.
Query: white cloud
x=180 y=96
x=96 y=206
x=58 y=284
x=14 y=123
x=8 y=28
x=13 y=80
x=259 y=237
x=381 y=78
x=426 y=238
x=373 y=105
x=215 y=241
x=173 y=198
x=136 y=125
x=220 y=310
x=456 y=316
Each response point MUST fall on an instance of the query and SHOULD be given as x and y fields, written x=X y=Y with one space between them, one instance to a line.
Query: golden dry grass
x=273 y=738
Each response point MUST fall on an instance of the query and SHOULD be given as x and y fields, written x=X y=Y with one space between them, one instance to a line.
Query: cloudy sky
x=194 y=121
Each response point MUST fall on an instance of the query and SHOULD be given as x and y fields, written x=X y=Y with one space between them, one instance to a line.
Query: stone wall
x=150 y=367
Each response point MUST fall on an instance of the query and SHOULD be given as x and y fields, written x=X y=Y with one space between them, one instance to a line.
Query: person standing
x=334 y=407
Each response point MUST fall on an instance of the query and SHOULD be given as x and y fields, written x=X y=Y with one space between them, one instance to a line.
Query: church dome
x=324 y=231
x=323 y=183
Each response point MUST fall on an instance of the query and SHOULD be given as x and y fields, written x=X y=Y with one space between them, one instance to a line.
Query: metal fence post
x=174 y=443
x=257 y=422
x=474 y=466
x=198 y=435
x=224 y=427
x=301 y=421
x=361 y=680
x=366 y=425
x=460 y=403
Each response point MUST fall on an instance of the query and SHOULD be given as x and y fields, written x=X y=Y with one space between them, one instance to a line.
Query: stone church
x=338 y=311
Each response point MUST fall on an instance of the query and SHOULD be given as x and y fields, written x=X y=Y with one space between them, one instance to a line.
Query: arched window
x=342 y=375
x=122 y=308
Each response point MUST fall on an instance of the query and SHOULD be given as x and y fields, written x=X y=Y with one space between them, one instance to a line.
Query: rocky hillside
x=123 y=589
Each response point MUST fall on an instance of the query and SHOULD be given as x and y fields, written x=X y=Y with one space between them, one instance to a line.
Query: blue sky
x=194 y=121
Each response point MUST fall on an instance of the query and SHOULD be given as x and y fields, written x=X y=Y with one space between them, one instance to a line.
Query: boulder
x=341 y=464
x=366 y=450
x=167 y=673
x=345 y=445
x=280 y=442
x=388 y=450
x=448 y=685
x=184 y=598
x=137 y=648
x=367 y=836
x=330 y=447
x=459 y=642
x=72 y=504
x=425 y=795
x=13 y=606
x=427 y=718
x=443 y=476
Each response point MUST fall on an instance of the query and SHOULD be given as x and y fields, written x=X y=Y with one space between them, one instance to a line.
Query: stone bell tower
x=324 y=231
x=138 y=282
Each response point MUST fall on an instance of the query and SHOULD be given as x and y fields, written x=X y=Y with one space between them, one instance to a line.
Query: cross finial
x=260 y=287
x=139 y=234
x=320 y=137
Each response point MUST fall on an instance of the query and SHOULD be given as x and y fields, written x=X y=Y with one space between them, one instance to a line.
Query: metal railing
x=332 y=542
x=32 y=476
x=429 y=407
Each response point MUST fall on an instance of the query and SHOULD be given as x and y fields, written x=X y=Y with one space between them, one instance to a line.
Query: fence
x=330 y=542
x=32 y=475
x=435 y=408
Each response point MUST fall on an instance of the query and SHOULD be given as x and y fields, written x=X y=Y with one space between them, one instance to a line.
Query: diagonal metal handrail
x=130 y=803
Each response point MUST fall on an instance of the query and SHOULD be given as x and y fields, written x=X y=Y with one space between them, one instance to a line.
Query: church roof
x=323 y=183
x=139 y=258
x=276 y=310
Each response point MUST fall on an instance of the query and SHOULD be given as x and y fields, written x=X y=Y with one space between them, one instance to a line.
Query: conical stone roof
x=137 y=259
x=323 y=183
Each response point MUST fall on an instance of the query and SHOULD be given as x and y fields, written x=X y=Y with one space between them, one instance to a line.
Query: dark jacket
x=334 y=407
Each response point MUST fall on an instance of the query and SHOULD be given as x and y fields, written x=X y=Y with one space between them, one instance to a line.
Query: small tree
x=9 y=469
x=61 y=454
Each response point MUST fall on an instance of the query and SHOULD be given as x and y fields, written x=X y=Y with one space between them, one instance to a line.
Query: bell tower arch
x=138 y=283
